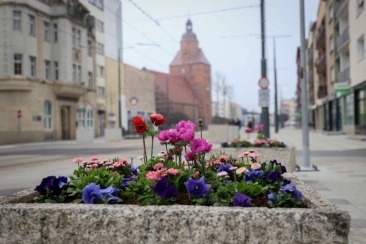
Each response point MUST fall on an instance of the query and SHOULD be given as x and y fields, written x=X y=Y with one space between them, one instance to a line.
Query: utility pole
x=265 y=113
x=304 y=94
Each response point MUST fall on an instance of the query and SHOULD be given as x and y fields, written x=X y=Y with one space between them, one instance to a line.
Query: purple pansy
x=241 y=200
x=163 y=189
x=126 y=180
x=289 y=188
x=200 y=145
x=224 y=167
x=272 y=197
x=253 y=174
x=197 y=188
x=134 y=170
x=273 y=176
x=91 y=194
x=52 y=184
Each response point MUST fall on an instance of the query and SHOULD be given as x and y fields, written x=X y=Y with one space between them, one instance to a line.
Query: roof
x=198 y=58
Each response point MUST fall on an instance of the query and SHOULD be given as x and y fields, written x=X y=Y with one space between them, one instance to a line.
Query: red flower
x=139 y=123
x=157 y=119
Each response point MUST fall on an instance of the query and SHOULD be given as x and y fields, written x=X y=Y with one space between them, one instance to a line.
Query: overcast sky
x=229 y=35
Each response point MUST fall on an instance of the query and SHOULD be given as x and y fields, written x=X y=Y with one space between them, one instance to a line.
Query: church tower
x=191 y=63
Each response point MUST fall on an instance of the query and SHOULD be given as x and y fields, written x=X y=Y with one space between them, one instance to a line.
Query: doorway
x=65 y=123
x=101 y=123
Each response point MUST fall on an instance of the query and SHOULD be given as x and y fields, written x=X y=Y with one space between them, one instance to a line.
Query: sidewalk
x=341 y=160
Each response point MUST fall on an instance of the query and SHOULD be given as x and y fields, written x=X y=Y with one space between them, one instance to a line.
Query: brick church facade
x=186 y=90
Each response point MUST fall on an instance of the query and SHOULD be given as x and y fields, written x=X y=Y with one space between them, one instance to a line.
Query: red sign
x=263 y=83
x=19 y=113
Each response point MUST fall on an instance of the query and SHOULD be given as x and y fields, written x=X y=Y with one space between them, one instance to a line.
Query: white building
x=45 y=71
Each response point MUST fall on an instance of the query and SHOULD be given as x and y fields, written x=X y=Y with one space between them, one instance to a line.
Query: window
x=99 y=4
x=18 y=62
x=55 y=67
x=89 y=117
x=74 y=37
x=350 y=109
x=331 y=43
x=46 y=31
x=330 y=12
x=332 y=74
x=78 y=38
x=90 y=79
x=100 y=91
x=360 y=4
x=74 y=76
x=32 y=25
x=17 y=20
x=79 y=74
x=47 y=69
x=90 y=49
x=33 y=66
x=47 y=115
x=361 y=48
x=360 y=116
x=55 y=32
x=100 y=48
x=100 y=71
x=81 y=117
x=99 y=26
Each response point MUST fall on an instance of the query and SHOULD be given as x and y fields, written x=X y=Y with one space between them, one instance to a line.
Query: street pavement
x=340 y=160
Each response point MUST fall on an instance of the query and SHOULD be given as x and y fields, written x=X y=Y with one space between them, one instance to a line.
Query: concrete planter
x=22 y=222
x=221 y=133
x=284 y=155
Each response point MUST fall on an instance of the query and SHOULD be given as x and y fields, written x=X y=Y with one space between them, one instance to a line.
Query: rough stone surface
x=284 y=155
x=23 y=222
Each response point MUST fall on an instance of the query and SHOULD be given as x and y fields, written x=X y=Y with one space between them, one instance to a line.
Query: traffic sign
x=263 y=97
x=19 y=113
x=263 y=83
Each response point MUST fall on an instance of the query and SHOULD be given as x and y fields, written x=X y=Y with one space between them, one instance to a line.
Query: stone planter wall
x=286 y=156
x=23 y=222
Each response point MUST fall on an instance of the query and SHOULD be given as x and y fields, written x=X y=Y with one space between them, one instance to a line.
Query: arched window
x=47 y=115
x=89 y=117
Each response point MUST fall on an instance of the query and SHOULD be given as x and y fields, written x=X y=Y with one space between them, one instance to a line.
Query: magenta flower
x=200 y=145
x=197 y=188
x=190 y=156
x=248 y=130
x=163 y=136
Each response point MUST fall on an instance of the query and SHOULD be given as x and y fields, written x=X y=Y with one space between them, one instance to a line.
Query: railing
x=322 y=91
x=338 y=5
x=342 y=38
x=320 y=64
x=320 y=38
x=344 y=75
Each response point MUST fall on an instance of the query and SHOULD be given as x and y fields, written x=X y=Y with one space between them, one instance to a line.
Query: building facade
x=46 y=92
x=340 y=78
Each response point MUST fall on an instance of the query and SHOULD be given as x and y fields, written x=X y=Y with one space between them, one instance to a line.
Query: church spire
x=189 y=26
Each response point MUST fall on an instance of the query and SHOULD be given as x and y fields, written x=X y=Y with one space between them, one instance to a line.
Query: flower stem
x=143 y=140
x=152 y=145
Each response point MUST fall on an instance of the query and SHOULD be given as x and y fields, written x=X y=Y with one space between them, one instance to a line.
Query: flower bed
x=321 y=222
x=222 y=188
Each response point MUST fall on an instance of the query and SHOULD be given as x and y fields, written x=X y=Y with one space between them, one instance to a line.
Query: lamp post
x=265 y=113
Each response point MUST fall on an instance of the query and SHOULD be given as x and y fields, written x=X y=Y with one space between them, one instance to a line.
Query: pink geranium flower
x=256 y=166
x=173 y=171
x=77 y=160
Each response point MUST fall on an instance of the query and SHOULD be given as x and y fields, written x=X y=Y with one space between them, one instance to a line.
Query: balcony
x=339 y=6
x=342 y=39
x=343 y=75
x=69 y=90
x=16 y=83
x=322 y=91
x=320 y=38
x=310 y=79
x=321 y=65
